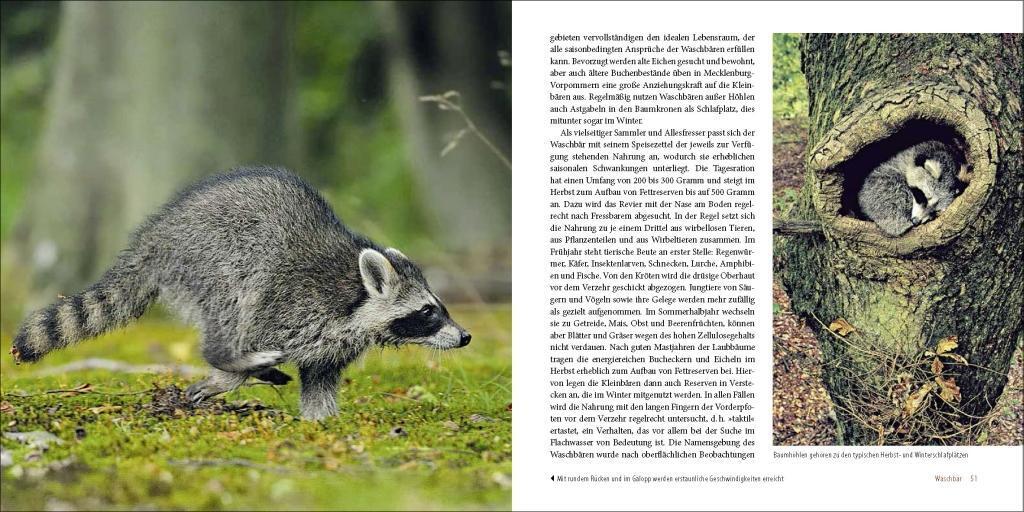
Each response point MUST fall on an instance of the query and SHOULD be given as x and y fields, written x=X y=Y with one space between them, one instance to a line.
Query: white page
x=833 y=484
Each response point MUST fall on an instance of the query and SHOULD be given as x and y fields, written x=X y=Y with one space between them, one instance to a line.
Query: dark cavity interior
x=856 y=169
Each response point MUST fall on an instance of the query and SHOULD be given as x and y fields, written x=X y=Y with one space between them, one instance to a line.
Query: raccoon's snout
x=464 y=338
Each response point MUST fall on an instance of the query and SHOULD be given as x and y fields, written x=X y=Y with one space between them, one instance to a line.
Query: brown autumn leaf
x=915 y=400
x=6 y=407
x=936 y=367
x=948 y=390
x=945 y=345
x=956 y=357
x=841 y=327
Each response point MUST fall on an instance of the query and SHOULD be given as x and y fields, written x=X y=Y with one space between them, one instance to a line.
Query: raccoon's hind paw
x=216 y=383
x=198 y=392
x=273 y=376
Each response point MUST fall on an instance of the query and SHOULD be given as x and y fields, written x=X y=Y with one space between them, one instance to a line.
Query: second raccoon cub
x=259 y=262
x=911 y=187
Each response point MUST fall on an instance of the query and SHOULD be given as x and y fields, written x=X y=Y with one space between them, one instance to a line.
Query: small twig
x=444 y=102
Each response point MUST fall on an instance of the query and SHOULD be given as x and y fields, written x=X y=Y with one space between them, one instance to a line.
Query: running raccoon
x=911 y=188
x=259 y=262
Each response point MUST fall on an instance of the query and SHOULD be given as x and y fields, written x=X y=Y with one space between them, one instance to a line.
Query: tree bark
x=147 y=97
x=958 y=275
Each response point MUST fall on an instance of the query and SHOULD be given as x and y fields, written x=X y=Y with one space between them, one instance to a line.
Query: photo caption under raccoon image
x=259 y=262
x=911 y=188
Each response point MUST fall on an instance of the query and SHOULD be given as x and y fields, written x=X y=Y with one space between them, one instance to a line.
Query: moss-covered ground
x=417 y=430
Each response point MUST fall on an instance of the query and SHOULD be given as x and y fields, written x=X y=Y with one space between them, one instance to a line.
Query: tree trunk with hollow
x=147 y=97
x=958 y=275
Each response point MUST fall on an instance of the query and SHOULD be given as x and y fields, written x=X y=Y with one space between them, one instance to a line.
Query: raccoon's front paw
x=199 y=391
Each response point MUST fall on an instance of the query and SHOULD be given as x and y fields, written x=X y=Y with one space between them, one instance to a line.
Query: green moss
x=445 y=444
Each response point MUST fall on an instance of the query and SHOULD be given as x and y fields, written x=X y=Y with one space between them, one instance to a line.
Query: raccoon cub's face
x=934 y=185
x=401 y=307
x=940 y=183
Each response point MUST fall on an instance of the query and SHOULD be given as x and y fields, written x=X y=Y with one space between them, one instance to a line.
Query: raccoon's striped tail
x=119 y=297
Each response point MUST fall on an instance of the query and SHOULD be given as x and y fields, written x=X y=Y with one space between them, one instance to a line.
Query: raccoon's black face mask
x=407 y=311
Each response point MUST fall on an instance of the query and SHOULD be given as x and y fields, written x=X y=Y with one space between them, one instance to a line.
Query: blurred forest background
x=108 y=109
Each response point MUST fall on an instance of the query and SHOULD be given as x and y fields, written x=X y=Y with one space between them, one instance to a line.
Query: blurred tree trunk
x=958 y=275
x=434 y=47
x=146 y=98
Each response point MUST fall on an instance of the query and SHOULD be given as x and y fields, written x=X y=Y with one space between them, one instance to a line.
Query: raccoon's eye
x=919 y=196
x=428 y=310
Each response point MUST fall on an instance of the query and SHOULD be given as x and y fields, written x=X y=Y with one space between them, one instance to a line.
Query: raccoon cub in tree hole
x=259 y=262
x=911 y=188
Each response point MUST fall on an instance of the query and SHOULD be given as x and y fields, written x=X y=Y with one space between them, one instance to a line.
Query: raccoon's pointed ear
x=396 y=253
x=378 y=274
x=933 y=167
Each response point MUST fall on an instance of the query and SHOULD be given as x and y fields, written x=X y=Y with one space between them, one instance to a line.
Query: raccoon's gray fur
x=911 y=187
x=259 y=262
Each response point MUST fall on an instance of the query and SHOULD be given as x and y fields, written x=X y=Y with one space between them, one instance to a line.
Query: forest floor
x=417 y=429
x=802 y=410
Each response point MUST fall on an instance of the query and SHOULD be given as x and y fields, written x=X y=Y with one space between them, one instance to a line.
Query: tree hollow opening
x=855 y=170
x=878 y=129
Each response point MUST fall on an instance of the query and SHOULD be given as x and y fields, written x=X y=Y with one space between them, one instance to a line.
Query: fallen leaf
x=841 y=327
x=945 y=345
x=6 y=407
x=915 y=400
x=948 y=390
x=104 y=408
x=936 y=367
x=956 y=357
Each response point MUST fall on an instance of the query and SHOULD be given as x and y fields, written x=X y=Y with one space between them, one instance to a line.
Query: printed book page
x=751 y=239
